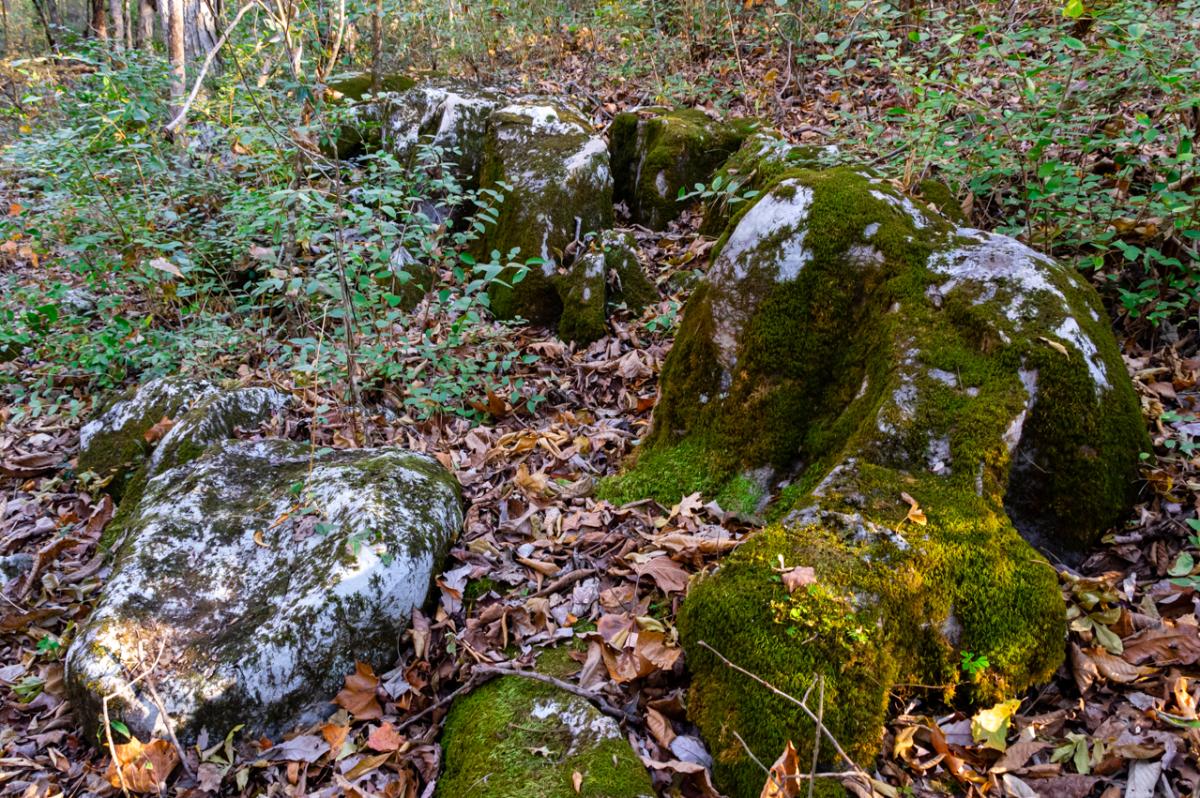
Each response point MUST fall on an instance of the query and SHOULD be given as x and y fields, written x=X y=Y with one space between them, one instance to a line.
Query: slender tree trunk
x=200 y=26
x=39 y=6
x=7 y=40
x=146 y=14
x=116 y=16
x=98 y=25
x=176 y=55
x=129 y=7
x=376 y=43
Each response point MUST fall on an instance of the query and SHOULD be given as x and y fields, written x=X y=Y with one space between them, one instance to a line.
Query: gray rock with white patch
x=253 y=578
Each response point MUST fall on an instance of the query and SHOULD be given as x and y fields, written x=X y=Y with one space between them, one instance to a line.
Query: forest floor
x=541 y=563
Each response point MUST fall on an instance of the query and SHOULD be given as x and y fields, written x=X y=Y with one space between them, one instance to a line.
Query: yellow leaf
x=990 y=726
x=915 y=513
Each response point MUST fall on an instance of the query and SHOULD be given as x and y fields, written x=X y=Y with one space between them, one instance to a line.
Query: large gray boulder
x=255 y=577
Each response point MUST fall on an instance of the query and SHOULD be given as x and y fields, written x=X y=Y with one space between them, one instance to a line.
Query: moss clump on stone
x=936 y=193
x=607 y=274
x=516 y=738
x=860 y=350
x=761 y=160
x=657 y=154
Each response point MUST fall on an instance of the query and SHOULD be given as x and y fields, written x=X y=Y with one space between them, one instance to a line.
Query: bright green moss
x=938 y=194
x=741 y=495
x=655 y=156
x=879 y=617
x=496 y=746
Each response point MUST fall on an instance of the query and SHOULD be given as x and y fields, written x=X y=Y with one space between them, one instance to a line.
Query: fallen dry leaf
x=142 y=768
x=358 y=696
x=782 y=778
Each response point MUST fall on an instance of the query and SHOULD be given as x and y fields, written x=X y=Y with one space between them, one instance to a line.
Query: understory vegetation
x=224 y=234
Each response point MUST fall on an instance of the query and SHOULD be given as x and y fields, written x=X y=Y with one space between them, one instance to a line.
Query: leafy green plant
x=974 y=664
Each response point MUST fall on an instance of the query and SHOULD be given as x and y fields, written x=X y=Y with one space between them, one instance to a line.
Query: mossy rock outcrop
x=557 y=186
x=607 y=274
x=404 y=114
x=114 y=445
x=657 y=153
x=516 y=738
x=849 y=359
x=263 y=572
x=762 y=159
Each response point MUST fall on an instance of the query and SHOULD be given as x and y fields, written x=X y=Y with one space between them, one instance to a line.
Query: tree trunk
x=200 y=26
x=116 y=16
x=146 y=24
x=176 y=55
x=376 y=43
x=98 y=25
x=7 y=40
x=40 y=7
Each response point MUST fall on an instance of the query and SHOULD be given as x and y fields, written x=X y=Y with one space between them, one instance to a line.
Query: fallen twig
x=792 y=699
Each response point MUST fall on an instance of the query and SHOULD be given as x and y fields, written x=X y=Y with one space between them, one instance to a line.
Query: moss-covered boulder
x=404 y=114
x=360 y=103
x=763 y=158
x=262 y=571
x=608 y=273
x=554 y=175
x=114 y=445
x=516 y=738
x=914 y=403
x=657 y=153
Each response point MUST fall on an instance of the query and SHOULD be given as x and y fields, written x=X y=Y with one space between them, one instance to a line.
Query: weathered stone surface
x=608 y=273
x=495 y=738
x=850 y=351
x=655 y=154
x=559 y=190
x=761 y=159
x=262 y=572
x=114 y=444
x=450 y=115
x=211 y=420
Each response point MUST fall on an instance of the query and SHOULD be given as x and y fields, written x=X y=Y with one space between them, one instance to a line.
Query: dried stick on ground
x=599 y=701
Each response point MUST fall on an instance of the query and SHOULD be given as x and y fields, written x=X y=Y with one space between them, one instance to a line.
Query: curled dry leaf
x=161 y=428
x=798 y=577
x=142 y=768
x=384 y=737
x=783 y=777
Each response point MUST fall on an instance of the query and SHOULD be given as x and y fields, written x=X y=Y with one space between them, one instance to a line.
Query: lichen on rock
x=114 y=445
x=516 y=738
x=262 y=571
x=848 y=352
x=656 y=153
x=557 y=186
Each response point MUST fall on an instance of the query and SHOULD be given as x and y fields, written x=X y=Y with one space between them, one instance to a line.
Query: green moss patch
x=516 y=738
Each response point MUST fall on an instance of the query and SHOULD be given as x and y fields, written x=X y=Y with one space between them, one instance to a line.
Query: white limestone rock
x=262 y=572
